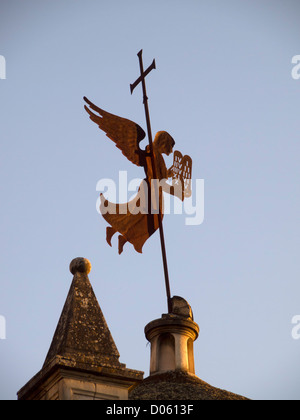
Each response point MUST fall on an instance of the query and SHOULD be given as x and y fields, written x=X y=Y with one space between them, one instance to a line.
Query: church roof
x=82 y=334
x=178 y=385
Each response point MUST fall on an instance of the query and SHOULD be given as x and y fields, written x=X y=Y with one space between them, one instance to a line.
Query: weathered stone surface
x=172 y=365
x=83 y=360
x=172 y=343
x=80 y=265
x=178 y=385
x=82 y=333
x=66 y=379
x=181 y=307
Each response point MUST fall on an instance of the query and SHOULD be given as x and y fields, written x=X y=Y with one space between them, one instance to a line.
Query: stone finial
x=181 y=307
x=80 y=265
x=172 y=339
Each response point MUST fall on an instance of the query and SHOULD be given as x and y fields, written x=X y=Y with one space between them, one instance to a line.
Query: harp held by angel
x=137 y=220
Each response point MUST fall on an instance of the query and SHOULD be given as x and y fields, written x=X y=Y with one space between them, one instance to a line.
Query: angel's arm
x=176 y=190
x=170 y=172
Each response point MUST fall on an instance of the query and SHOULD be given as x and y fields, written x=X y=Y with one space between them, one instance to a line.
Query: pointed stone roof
x=83 y=359
x=82 y=334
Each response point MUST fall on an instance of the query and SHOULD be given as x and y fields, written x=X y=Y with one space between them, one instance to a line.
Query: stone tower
x=83 y=360
x=172 y=339
x=172 y=367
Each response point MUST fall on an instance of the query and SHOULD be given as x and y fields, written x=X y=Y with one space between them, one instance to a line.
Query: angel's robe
x=138 y=219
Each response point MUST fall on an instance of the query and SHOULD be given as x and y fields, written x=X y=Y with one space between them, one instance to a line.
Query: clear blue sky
x=224 y=91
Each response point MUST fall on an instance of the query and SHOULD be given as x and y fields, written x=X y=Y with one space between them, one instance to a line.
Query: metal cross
x=141 y=79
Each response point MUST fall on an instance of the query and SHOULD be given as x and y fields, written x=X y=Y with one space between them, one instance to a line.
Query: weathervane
x=139 y=219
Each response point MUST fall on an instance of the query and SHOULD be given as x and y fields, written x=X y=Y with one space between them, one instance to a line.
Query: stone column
x=172 y=337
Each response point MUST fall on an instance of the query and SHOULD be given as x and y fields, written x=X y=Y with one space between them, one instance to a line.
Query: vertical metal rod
x=161 y=230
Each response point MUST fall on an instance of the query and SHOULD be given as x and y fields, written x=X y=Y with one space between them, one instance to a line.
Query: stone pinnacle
x=80 y=265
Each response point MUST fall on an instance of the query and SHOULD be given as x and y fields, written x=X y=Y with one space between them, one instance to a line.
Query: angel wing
x=126 y=134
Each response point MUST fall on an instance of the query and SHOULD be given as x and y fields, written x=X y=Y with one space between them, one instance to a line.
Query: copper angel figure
x=137 y=220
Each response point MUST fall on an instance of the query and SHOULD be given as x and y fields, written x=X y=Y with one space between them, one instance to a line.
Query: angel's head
x=164 y=143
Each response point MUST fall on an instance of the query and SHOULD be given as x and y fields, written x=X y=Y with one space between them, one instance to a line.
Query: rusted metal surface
x=134 y=222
